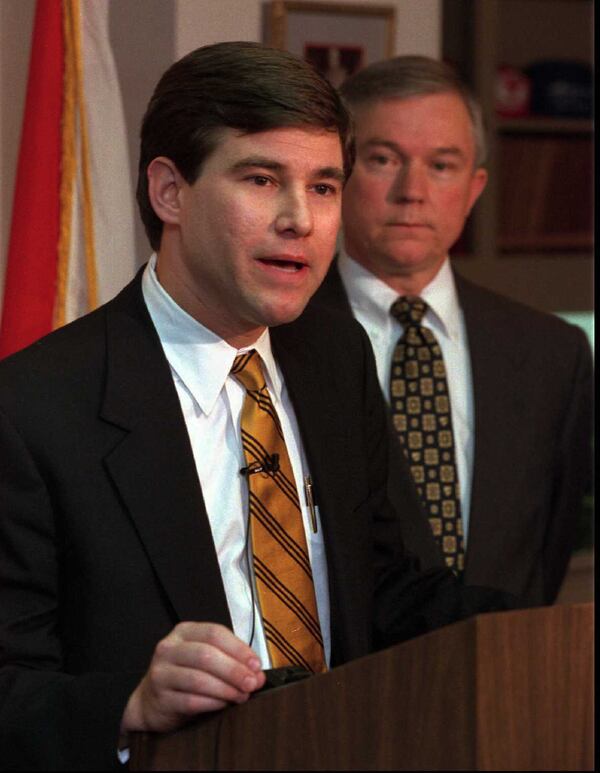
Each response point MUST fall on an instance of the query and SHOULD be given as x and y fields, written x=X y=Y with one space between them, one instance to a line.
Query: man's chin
x=282 y=315
x=280 y=308
x=407 y=256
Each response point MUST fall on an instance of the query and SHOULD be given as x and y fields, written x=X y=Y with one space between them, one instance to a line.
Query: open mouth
x=283 y=264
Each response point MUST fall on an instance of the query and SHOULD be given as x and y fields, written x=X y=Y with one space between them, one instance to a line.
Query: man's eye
x=380 y=160
x=324 y=189
x=443 y=166
x=259 y=179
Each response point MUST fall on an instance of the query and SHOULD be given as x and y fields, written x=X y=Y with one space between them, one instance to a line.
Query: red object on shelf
x=513 y=92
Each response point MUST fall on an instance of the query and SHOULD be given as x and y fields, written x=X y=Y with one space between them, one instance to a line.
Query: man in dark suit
x=519 y=381
x=129 y=600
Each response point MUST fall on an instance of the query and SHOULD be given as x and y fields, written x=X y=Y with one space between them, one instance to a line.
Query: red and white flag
x=71 y=244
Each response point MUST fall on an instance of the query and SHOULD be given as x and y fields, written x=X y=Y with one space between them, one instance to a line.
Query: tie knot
x=408 y=310
x=248 y=371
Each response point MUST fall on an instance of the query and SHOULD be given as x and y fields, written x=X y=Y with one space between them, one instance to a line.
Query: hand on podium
x=198 y=667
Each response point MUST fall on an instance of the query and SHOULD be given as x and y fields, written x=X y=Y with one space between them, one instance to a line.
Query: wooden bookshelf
x=531 y=234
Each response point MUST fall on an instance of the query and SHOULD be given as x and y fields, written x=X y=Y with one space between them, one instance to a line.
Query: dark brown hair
x=236 y=85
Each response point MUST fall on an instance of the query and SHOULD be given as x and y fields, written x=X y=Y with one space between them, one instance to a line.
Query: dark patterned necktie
x=281 y=564
x=421 y=413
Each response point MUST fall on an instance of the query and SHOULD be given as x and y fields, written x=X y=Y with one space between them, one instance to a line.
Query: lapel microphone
x=270 y=464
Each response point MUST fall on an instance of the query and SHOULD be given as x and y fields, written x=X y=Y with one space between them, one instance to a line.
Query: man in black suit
x=127 y=592
x=519 y=381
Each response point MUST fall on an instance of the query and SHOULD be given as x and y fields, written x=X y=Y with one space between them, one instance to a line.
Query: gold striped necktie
x=281 y=564
x=420 y=405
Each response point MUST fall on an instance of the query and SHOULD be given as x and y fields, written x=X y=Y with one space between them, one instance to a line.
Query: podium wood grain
x=504 y=691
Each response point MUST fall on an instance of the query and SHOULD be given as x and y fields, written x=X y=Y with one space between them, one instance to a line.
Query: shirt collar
x=441 y=297
x=372 y=295
x=365 y=291
x=200 y=358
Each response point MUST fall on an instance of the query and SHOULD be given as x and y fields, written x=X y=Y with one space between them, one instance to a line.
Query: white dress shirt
x=211 y=402
x=371 y=299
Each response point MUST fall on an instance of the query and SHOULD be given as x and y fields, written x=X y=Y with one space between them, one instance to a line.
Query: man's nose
x=410 y=184
x=295 y=217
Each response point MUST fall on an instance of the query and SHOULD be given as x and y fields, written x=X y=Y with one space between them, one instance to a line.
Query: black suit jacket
x=104 y=539
x=532 y=387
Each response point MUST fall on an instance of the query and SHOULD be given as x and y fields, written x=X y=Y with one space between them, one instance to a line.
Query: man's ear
x=164 y=185
x=478 y=183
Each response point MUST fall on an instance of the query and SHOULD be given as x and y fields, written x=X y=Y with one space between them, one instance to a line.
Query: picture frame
x=338 y=38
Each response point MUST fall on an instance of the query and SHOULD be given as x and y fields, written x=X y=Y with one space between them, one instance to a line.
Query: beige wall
x=147 y=35
x=418 y=27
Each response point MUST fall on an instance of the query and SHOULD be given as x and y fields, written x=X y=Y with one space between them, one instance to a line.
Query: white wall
x=147 y=36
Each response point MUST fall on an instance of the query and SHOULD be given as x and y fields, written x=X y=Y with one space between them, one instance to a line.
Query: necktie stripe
x=287 y=488
x=265 y=404
x=301 y=623
x=278 y=478
x=254 y=448
x=295 y=551
x=284 y=584
x=284 y=646
x=241 y=361
x=260 y=512
x=286 y=597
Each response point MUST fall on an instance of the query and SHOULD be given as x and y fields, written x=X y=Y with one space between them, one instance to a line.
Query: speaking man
x=193 y=477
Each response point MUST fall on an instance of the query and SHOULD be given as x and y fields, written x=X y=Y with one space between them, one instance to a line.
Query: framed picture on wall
x=338 y=38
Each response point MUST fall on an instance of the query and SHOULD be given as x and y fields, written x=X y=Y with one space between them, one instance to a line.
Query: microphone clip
x=270 y=464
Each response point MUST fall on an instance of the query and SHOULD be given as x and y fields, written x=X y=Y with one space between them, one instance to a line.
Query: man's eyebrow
x=253 y=161
x=263 y=162
x=331 y=172
x=452 y=150
x=376 y=141
x=442 y=150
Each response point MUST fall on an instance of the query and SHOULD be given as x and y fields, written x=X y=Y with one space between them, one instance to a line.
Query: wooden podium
x=502 y=691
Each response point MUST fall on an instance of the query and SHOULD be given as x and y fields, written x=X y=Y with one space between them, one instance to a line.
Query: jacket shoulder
x=71 y=355
x=484 y=306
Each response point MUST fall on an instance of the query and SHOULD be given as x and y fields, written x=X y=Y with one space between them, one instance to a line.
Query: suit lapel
x=317 y=394
x=153 y=468
x=495 y=364
x=306 y=378
x=332 y=293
